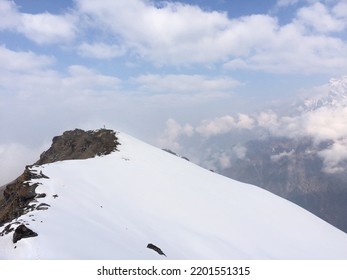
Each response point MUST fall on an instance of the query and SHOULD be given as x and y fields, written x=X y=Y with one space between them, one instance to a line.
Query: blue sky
x=141 y=65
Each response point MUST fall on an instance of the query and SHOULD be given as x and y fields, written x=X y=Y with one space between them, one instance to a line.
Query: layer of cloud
x=326 y=124
x=187 y=84
x=11 y=155
x=168 y=34
x=44 y=28
x=173 y=131
x=320 y=19
x=240 y=151
x=180 y=34
x=225 y=124
x=100 y=50
x=279 y=156
x=335 y=157
x=9 y=15
x=173 y=33
x=285 y=3
x=23 y=61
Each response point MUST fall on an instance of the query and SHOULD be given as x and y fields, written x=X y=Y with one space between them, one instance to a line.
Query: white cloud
x=9 y=15
x=181 y=34
x=240 y=151
x=174 y=33
x=319 y=18
x=279 y=156
x=334 y=156
x=14 y=157
x=340 y=10
x=173 y=132
x=33 y=95
x=290 y=49
x=23 y=61
x=100 y=50
x=224 y=161
x=268 y=120
x=44 y=28
x=326 y=123
x=225 y=124
x=285 y=3
x=189 y=84
x=82 y=78
x=245 y=121
x=216 y=126
x=47 y=28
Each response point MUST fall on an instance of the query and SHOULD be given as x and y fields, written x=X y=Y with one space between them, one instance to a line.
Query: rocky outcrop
x=80 y=144
x=21 y=232
x=17 y=196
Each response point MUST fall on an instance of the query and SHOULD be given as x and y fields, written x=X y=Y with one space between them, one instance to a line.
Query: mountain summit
x=336 y=97
x=136 y=201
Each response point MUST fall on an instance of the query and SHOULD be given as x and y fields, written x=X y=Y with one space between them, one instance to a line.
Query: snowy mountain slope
x=111 y=207
x=336 y=97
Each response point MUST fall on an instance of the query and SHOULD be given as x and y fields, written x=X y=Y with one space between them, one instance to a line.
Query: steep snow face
x=111 y=207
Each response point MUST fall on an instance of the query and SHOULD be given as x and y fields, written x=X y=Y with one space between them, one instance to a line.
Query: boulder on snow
x=22 y=232
x=155 y=248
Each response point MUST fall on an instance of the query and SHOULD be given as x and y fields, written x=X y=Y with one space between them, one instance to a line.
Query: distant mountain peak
x=337 y=96
x=338 y=88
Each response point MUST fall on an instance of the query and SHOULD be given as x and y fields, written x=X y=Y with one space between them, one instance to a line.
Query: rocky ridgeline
x=18 y=195
x=80 y=144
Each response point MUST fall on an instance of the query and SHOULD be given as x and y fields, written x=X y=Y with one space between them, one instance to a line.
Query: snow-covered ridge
x=112 y=207
x=337 y=96
x=339 y=86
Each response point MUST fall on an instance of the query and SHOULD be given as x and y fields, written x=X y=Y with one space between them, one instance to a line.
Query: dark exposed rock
x=155 y=248
x=43 y=206
x=170 y=152
x=80 y=144
x=175 y=154
x=41 y=195
x=7 y=229
x=22 y=231
x=16 y=196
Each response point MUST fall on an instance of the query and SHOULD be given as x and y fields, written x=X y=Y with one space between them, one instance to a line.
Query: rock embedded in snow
x=155 y=248
x=22 y=231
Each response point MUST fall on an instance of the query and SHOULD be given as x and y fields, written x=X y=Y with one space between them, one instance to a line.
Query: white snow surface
x=111 y=207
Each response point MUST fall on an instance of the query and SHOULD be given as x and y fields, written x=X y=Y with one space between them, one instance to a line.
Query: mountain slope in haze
x=309 y=166
x=114 y=206
x=292 y=169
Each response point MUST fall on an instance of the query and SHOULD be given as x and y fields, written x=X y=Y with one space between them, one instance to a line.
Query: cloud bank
x=324 y=124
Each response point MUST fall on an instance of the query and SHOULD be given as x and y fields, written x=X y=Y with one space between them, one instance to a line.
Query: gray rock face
x=76 y=144
x=22 y=232
x=80 y=144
